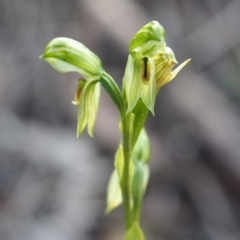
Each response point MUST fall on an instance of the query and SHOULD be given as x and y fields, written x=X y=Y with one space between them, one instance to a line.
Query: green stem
x=127 y=132
x=114 y=92
x=132 y=124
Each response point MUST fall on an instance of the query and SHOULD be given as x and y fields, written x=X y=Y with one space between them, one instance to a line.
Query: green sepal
x=68 y=55
x=87 y=111
x=148 y=40
x=134 y=232
x=114 y=193
x=135 y=87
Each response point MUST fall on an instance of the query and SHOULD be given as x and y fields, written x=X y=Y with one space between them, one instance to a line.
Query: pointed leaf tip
x=114 y=194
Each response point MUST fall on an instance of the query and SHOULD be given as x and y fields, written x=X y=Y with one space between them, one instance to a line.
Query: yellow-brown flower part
x=164 y=63
x=80 y=86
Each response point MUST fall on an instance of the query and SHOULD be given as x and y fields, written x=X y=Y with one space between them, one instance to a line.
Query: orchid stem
x=127 y=131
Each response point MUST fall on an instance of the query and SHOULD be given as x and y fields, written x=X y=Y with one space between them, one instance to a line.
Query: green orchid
x=68 y=55
x=148 y=67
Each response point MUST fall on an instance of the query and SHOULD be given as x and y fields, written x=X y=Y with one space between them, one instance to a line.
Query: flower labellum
x=164 y=63
x=80 y=86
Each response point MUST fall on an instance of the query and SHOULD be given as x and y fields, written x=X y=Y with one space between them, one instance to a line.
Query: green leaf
x=68 y=55
x=142 y=149
x=119 y=161
x=146 y=174
x=140 y=181
x=89 y=101
x=137 y=189
x=119 y=164
x=148 y=40
x=114 y=194
x=134 y=85
x=134 y=232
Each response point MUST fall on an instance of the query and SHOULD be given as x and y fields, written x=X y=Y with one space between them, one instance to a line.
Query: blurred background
x=53 y=186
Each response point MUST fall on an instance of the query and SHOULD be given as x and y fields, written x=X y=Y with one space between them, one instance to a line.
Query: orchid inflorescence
x=149 y=68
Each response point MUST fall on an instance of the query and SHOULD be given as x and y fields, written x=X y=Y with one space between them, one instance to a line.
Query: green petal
x=68 y=55
x=114 y=193
x=93 y=103
x=87 y=111
x=134 y=233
